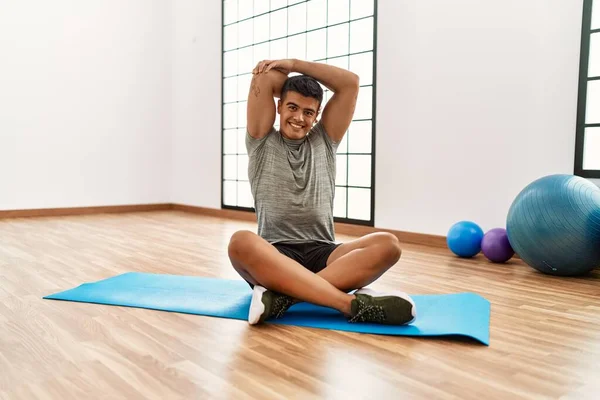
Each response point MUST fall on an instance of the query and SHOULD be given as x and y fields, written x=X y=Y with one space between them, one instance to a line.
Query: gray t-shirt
x=293 y=185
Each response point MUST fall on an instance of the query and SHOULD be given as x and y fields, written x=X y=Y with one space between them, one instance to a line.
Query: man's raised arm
x=339 y=110
x=261 y=105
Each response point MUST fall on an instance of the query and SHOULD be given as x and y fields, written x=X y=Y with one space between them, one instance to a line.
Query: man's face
x=297 y=114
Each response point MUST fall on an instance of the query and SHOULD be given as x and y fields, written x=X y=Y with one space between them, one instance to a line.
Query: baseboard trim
x=216 y=212
x=71 y=211
x=341 y=228
x=403 y=237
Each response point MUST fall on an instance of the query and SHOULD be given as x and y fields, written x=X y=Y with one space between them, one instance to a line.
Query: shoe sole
x=257 y=308
x=402 y=295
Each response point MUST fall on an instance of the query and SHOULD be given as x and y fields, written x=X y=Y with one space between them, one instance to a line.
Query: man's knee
x=241 y=243
x=391 y=247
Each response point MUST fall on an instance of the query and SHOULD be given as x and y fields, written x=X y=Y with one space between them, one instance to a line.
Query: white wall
x=196 y=177
x=119 y=102
x=475 y=100
x=85 y=103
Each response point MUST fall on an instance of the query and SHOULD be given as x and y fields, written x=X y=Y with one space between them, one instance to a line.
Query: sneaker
x=383 y=308
x=267 y=304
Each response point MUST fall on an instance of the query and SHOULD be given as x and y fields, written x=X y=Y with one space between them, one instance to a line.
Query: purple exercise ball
x=496 y=247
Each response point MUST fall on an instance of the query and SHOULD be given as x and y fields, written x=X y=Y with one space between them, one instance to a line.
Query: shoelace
x=368 y=313
x=282 y=303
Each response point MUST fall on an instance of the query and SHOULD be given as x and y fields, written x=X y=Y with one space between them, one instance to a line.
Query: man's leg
x=261 y=264
x=359 y=262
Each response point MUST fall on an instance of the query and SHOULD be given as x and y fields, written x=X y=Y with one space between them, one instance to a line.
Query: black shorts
x=311 y=255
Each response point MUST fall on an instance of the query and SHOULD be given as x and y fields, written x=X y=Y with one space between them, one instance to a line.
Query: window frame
x=371 y=221
x=586 y=33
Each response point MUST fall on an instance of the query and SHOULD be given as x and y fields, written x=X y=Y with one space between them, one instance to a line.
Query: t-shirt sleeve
x=319 y=130
x=253 y=145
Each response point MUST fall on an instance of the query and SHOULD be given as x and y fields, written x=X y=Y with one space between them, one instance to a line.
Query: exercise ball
x=464 y=238
x=496 y=247
x=554 y=225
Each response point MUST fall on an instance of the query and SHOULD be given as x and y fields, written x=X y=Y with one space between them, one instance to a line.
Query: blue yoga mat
x=462 y=314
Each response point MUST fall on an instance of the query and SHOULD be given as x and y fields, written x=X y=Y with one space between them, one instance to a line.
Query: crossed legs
x=350 y=266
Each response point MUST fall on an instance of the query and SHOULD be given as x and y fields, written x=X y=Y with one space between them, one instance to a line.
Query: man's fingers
x=263 y=66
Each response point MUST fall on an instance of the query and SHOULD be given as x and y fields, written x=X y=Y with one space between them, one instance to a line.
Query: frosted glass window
x=316 y=45
x=360 y=137
x=230 y=37
x=341 y=62
x=245 y=32
x=593 y=103
x=364 y=103
x=261 y=52
x=596 y=15
x=339 y=202
x=343 y=146
x=275 y=4
x=361 y=8
x=261 y=6
x=278 y=23
x=297 y=19
x=261 y=28
x=336 y=32
x=230 y=63
x=245 y=9
x=230 y=89
x=241 y=140
x=297 y=46
x=278 y=49
x=230 y=141
x=362 y=65
x=591 y=152
x=230 y=167
x=229 y=192
x=243 y=85
x=359 y=203
x=242 y=167
x=245 y=195
x=230 y=115
x=230 y=11
x=242 y=111
x=594 y=64
x=337 y=11
x=316 y=14
x=245 y=60
x=341 y=168
x=337 y=40
x=359 y=170
x=361 y=35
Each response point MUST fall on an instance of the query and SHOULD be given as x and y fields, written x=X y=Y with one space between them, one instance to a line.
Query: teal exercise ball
x=554 y=225
x=464 y=239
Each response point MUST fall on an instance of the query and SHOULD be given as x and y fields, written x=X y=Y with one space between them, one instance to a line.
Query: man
x=294 y=256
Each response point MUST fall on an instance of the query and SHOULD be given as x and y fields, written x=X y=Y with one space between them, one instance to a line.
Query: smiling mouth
x=295 y=126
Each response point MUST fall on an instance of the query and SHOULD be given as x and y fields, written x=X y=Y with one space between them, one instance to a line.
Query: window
x=587 y=150
x=337 y=32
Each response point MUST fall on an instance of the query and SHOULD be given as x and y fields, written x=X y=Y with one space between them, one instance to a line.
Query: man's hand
x=285 y=66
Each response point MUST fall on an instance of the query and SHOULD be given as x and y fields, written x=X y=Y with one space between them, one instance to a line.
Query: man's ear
x=279 y=106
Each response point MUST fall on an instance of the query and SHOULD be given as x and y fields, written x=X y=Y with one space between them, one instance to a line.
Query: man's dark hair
x=305 y=85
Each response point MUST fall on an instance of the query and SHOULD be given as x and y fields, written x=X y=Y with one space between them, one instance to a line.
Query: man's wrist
x=295 y=63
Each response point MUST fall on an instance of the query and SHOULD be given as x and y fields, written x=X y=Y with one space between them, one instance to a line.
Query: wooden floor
x=545 y=331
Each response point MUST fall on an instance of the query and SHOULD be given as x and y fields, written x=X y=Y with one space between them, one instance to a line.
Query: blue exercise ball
x=554 y=225
x=464 y=239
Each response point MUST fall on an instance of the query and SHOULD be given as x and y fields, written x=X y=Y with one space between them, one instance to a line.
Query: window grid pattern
x=587 y=151
x=336 y=32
